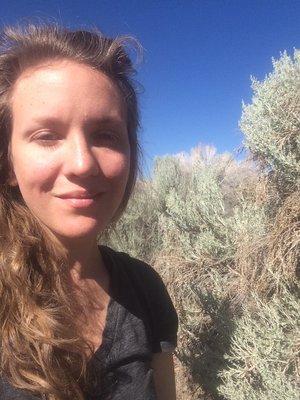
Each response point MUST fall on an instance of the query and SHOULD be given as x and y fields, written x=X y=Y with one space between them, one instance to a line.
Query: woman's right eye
x=48 y=139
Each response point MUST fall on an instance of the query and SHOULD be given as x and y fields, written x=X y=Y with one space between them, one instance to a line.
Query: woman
x=78 y=320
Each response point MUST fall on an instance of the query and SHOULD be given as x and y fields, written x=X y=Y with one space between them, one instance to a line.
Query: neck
x=84 y=259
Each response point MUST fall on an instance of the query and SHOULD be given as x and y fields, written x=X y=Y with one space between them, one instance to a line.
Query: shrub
x=263 y=359
x=271 y=123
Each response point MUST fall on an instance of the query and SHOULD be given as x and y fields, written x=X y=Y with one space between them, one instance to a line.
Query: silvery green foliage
x=196 y=209
x=205 y=327
x=263 y=358
x=202 y=208
x=136 y=232
x=189 y=204
x=271 y=123
x=191 y=197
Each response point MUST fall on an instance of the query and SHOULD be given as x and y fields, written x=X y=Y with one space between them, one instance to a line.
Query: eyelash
x=47 y=142
x=112 y=138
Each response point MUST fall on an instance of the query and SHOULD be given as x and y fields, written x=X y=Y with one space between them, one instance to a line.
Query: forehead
x=66 y=89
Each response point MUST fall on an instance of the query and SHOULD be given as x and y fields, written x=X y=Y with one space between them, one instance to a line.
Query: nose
x=80 y=160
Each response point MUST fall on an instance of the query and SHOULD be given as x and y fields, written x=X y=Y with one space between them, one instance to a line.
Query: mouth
x=78 y=194
x=81 y=201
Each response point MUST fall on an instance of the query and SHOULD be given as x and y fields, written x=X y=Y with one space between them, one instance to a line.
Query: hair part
x=41 y=349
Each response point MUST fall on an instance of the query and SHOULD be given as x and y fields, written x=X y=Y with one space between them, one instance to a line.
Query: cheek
x=34 y=172
x=116 y=167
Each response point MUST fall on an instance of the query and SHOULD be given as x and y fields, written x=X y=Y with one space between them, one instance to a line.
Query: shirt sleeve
x=161 y=313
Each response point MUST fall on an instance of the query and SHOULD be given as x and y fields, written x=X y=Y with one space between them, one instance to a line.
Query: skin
x=57 y=147
x=164 y=376
x=70 y=152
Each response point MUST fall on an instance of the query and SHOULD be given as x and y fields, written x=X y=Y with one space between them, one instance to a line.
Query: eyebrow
x=96 y=122
x=90 y=123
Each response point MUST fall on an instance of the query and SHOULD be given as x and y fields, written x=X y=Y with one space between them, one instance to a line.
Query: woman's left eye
x=105 y=137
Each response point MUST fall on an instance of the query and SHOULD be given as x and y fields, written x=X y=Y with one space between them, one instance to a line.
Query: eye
x=47 y=139
x=105 y=137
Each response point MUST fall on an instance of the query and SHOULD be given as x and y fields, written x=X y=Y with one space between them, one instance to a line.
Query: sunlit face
x=69 y=147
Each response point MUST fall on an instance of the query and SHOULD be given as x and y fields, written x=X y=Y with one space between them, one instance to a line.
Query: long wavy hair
x=41 y=349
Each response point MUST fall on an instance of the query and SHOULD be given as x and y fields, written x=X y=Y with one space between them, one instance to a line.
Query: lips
x=80 y=199
x=78 y=195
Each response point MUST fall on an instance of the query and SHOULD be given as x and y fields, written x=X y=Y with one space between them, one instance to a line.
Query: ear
x=12 y=179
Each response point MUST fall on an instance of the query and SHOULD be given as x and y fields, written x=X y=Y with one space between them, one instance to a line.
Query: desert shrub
x=198 y=210
x=263 y=359
x=206 y=220
x=137 y=230
x=271 y=123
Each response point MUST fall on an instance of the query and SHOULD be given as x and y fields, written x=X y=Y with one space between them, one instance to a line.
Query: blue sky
x=198 y=58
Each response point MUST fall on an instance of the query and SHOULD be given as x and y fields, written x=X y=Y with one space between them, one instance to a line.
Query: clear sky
x=198 y=58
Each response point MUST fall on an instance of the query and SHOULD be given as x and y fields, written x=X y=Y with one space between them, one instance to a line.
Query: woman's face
x=69 y=147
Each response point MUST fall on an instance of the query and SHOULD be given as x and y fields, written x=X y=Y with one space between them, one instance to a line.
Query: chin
x=79 y=231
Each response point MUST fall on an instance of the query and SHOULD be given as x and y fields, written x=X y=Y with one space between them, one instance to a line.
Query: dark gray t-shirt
x=141 y=320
